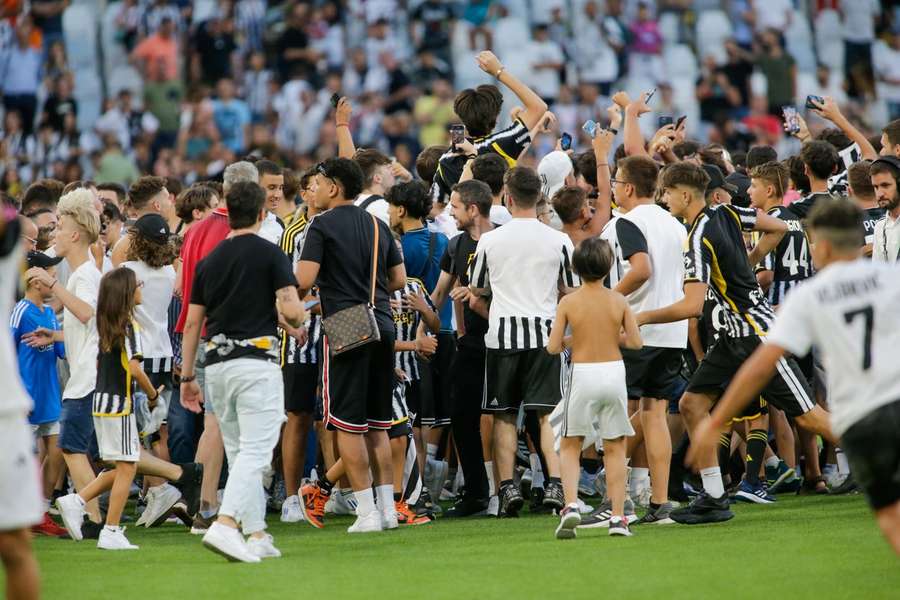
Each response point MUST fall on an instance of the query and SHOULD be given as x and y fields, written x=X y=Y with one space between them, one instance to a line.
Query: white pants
x=247 y=395
x=22 y=501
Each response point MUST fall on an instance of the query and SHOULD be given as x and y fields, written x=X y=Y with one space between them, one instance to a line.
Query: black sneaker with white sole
x=553 y=496
x=618 y=526
x=189 y=483
x=661 y=515
x=569 y=518
x=703 y=509
x=511 y=501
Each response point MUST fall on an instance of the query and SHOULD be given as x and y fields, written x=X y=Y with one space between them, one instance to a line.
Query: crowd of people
x=458 y=338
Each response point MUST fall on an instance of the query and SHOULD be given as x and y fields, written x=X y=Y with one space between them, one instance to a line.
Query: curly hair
x=154 y=254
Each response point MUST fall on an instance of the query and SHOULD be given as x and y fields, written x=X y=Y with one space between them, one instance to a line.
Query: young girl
x=118 y=374
x=596 y=405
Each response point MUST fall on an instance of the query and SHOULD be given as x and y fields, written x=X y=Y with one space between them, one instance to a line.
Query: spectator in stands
x=60 y=103
x=772 y=14
x=115 y=167
x=546 y=61
x=595 y=54
x=47 y=16
x=431 y=28
x=434 y=112
x=157 y=54
x=645 y=59
x=232 y=117
x=859 y=33
x=295 y=56
x=214 y=47
x=886 y=62
x=779 y=69
x=21 y=75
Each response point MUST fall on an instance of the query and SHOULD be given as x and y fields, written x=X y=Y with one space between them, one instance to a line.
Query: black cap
x=153 y=227
x=742 y=183
x=717 y=179
x=39 y=259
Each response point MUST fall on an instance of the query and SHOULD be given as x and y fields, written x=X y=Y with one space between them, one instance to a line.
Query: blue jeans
x=184 y=432
x=76 y=425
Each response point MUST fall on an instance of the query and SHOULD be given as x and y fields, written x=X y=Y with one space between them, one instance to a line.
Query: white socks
x=492 y=485
x=365 y=501
x=843 y=464
x=772 y=461
x=384 y=495
x=640 y=478
x=712 y=482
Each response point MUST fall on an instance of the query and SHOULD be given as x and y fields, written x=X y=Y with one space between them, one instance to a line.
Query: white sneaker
x=290 y=510
x=436 y=476
x=160 y=500
x=584 y=509
x=114 y=539
x=229 y=543
x=71 y=509
x=367 y=523
x=493 y=508
x=389 y=519
x=344 y=504
x=263 y=547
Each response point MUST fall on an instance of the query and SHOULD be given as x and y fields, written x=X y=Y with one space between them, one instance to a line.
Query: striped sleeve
x=510 y=142
x=697 y=258
x=566 y=273
x=746 y=216
x=133 y=343
x=768 y=261
x=479 y=277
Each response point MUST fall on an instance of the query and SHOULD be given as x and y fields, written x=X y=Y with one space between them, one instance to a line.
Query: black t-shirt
x=290 y=39
x=397 y=81
x=236 y=283
x=715 y=104
x=215 y=54
x=791 y=261
x=456 y=261
x=437 y=18
x=340 y=241
x=57 y=108
x=739 y=73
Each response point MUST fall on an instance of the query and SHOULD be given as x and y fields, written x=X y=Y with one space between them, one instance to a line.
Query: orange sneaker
x=49 y=527
x=407 y=516
x=312 y=504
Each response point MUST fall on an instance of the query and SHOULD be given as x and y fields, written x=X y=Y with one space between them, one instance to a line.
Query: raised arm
x=602 y=144
x=342 y=115
x=534 y=106
x=634 y=140
x=828 y=109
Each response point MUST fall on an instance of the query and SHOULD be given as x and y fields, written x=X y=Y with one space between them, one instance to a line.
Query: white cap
x=553 y=170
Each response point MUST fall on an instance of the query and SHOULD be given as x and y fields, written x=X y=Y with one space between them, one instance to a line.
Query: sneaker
x=389 y=518
x=493 y=508
x=847 y=485
x=703 y=509
x=600 y=483
x=312 y=504
x=425 y=507
x=160 y=500
x=619 y=526
x=778 y=474
x=601 y=516
x=525 y=482
x=468 y=507
x=229 y=543
x=181 y=514
x=757 y=494
x=536 y=502
x=263 y=547
x=511 y=501
x=190 y=483
x=587 y=484
x=367 y=523
x=569 y=519
x=584 y=509
x=553 y=496
x=71 y=509
x=91 y=530
x=344 y=503
x=49 y=528
x=436 y=475
x=447 y=495
x=114 y=539
x=290 y=510
x=406 y=515
x=791 y=485
x=201 y=524
x=661 y=515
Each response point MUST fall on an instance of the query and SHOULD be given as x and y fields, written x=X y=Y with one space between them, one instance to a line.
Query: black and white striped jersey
x=508 y=143
x=717 y=256
x=870 y=217
x=292 y=352
x=406 y=322
x=790 y=261
x=522 y=265
x=114 y=394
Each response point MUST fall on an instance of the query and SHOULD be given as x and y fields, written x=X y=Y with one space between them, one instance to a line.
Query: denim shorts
x=76 y=425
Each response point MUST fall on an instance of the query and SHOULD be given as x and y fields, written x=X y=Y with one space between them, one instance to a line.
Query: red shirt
x=199 y=241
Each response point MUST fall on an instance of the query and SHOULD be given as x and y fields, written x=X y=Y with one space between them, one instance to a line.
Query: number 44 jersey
x=850 y=311
x=790 y=262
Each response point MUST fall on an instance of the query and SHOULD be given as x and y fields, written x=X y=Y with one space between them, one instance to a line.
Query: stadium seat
x=668 y=27
x=713 y=28
x=681 y=63
x=799 y=41
x=89 y=94
x=114 y=54
x=80 y=30
x=829 y=36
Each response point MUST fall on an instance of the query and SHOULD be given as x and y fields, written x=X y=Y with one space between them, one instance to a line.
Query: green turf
x=801 y=547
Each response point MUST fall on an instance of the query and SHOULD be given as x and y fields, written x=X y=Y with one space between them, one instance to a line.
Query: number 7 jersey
x=850 y=311
x=790 y=261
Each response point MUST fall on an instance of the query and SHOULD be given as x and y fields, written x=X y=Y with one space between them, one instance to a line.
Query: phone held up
x=590 y=128
x=819 y=100
x=457 y=135
x=665 y=120
x=335 y=99
x=792 y=119
x=565 y=142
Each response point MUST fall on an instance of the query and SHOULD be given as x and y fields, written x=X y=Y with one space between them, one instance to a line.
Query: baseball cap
x=553 y=170
x=717 y=179
x=39 y=259
x=153 y=227
x=742 y=183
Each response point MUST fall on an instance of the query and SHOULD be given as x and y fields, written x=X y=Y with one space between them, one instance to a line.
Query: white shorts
x=117 y=438
x=595 y=405
x=21 y=498
x=45 y=429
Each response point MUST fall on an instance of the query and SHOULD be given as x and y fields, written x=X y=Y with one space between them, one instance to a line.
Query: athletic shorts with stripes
x=787 y=390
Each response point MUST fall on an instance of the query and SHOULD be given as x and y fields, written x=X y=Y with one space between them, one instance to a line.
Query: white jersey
x=15 y=400
x=850 y=311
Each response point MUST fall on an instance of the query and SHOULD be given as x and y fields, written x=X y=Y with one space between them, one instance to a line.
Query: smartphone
x=810 y=99
x=335 y=98
x=310 y=303
x=650 y=95
x=565 y=142
x=792 y=119
x=589 y=128
x=457 y=135
x=680 y=121
x=663 y=121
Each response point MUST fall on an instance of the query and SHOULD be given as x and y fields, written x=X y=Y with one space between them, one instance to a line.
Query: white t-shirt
x=522 y=264
x=772 y=14
x=15 y=400
x=152 y=314
x=595 y=59
x=649 y=228
x=850 y=311
x=886 y=63
x=886 y=240
x=859 y=19
x=378 y=207
x=544 y=81
x=500 y=214
x=81 y=339
x=270 y=230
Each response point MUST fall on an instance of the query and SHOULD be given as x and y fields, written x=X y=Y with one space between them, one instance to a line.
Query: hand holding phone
x=565 y=142
x=664 y=120
x=814 y=102
x=590 y=128
x=457 y=135
x=791 y=120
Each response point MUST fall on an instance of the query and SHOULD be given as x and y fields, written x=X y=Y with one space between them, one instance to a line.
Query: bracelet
x=154 y=398
x=188 y=378
x=499 y=72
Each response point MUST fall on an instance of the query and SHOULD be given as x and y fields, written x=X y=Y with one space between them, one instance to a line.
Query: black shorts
x=873 y=450
x=357 y=386
x=300 y=383
x=529 y=378
x=754 y=410
x=413 y=396
x=787 y=390
x=467 y=373
x=652 y=372
x=435 y=377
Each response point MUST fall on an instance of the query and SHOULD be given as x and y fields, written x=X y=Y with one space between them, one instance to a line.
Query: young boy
x=37 y=366
x=596 y=403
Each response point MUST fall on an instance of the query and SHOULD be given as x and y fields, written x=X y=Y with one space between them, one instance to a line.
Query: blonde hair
x=78 y=205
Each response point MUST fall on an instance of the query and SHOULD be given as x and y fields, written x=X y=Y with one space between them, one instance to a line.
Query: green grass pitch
x=809 y=547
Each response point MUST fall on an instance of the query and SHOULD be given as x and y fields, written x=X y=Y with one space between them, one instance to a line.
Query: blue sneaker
x=756 y=494
x=777 y=475
x=586 y=483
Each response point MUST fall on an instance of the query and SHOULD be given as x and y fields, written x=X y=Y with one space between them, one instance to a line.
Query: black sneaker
x=536 y=502
x=511 y=501
x=424 y=507
x=553 y=496
x=703 y=509
x=468 y=507
x=618 y=526
x=91 y=530
x=662 y=515
x=189 y=483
